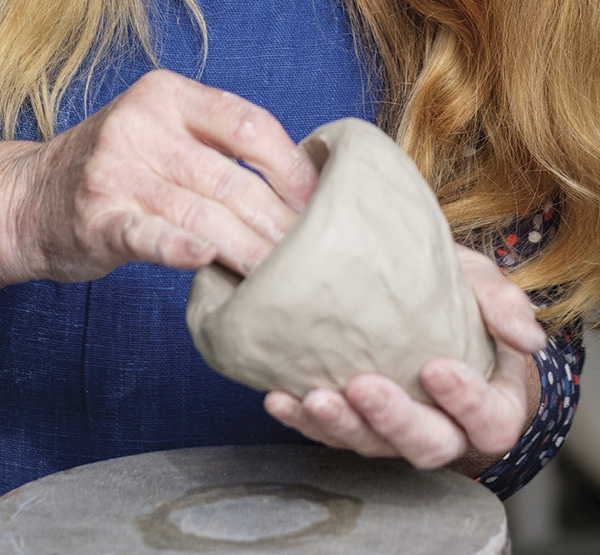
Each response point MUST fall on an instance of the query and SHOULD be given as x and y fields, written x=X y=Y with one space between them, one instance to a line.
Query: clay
x=366 y=281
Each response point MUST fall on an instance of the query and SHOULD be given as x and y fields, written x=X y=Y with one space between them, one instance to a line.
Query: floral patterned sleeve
x=559 y=365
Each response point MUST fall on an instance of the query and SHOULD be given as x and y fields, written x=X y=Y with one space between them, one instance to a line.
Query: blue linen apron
x=96 y=370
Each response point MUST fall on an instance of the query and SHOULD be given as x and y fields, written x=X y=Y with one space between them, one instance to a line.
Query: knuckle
x=129 y=233
x=192 y=214
x=391 y=422
x=225 y=184
x=155 y=82
x=322 y=407
x=488 y=293
x=166 y=247
x=513 y=295
x=159 y=87
x=510 y=294
x=253 y=122
x=470 y=402
x=388 y=423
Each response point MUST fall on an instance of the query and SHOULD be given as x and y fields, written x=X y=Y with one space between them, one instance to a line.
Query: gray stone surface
x=275 y=499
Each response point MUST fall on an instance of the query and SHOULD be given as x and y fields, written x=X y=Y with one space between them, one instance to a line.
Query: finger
x=138 y=236
x=247 y=132
x=505 y=308
x=289 y=411
x=239 y=246
x=324 y=416
x=421 y=433
x=492 y=413
x=340 y=424
x=211 y=174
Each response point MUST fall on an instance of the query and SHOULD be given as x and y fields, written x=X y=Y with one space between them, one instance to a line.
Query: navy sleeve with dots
x=559 y=365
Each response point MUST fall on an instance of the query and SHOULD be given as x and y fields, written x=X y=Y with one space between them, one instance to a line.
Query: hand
x=153 y=176
x=474 y=422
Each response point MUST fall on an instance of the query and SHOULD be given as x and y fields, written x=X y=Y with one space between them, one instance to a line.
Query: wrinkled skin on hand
x=475 y=420
x=153 y=176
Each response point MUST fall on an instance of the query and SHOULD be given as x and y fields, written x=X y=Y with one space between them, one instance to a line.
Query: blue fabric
x=103 y=369
x=97 y=370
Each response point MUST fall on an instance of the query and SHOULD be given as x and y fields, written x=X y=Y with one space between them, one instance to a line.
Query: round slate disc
x=256 y=499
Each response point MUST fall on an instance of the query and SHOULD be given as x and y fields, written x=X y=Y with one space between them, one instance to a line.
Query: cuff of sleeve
x=560 y=367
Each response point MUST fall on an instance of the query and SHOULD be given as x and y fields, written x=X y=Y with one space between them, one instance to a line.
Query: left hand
x=376 y=418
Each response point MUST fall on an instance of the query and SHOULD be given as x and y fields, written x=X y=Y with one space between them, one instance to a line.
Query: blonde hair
x=497 y=101
x=43 y=46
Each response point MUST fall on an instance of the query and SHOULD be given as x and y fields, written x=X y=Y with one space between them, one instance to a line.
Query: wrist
x=20 y=256
x=534 y=391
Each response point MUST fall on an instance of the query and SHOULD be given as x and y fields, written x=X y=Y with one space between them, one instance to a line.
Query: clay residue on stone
x=163 y=532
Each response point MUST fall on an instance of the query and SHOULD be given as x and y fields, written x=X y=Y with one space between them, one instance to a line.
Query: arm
x=152 y=176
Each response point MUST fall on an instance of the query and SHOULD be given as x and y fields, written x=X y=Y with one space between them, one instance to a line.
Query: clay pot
x=366 y=281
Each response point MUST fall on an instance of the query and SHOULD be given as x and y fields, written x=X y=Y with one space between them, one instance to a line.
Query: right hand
x=474 y=420
x=152 y=176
